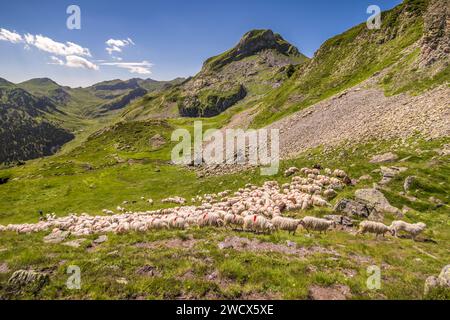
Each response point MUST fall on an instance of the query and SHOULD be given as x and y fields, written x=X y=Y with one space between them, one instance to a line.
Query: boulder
x=385 y=157
x=27 y=280
x=408 y=183
x=329 y=194
x=388 y=173
x=353 y=208
x=56 y=236
x=101 y=239
x=340 y=220
x=376 y=199
x=442 y=281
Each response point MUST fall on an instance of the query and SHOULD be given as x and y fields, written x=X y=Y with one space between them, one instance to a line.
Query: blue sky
x=168 y=38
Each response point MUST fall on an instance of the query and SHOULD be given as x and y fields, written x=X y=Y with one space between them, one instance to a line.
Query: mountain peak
x=256 y=40
x=251 y=43
x=40 y=82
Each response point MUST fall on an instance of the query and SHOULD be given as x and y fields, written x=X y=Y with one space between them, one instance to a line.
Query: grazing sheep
x=178 y=223
x=290 y=171
x=413 y=229
x=257 y=224
x=316 y=224
x=176 y=200
x=210 y=219
x=287 y=224
x=374 y=227
x=233 y=220
x=339 y=173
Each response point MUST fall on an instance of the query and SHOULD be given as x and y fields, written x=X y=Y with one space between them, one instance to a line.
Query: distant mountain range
x=38 y=116
x=264 y=78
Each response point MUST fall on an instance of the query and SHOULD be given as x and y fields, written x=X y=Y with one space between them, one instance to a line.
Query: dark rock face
x=436 y=41
x=353 y=208
x=214 y=104
x=253 y=42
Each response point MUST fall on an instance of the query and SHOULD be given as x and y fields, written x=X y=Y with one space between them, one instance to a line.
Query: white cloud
x=10 y=36
x=116 y=45
x=79 y=62
x=74 y=62
x=133 y=67
x=62 y=49
x=74 y=54
x=56 y=60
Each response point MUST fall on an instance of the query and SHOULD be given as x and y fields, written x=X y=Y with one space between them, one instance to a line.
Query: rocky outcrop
x=435 y=45
x=353 y=208
x=27 y=281
x=376 y=199
x=251 y=43
x=385 y=157
x=211 y=105
x=440 y=282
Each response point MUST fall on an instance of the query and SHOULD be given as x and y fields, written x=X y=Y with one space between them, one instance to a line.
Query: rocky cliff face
x=261 y=61
x=435 y=44
x=250 y=44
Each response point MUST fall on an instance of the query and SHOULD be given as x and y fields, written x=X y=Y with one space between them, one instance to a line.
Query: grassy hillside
x=355 y=55
x=125 y=156
x=111 y=167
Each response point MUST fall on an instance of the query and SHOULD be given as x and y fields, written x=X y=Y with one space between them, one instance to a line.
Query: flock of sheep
x=254 y=209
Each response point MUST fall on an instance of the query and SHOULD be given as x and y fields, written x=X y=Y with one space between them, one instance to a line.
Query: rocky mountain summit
x=261 y=61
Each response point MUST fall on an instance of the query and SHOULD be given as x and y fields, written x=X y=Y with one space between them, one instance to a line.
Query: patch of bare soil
x=255 y=245
x=335 y=292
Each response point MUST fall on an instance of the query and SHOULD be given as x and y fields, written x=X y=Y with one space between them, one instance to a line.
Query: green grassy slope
x=353 y=56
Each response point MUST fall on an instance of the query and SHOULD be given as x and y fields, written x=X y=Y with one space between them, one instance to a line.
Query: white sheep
x=374 y=227
x=210 y=219
x=339 y=173
x=287 y=224
x=258 y=224
x=413 y=229
x=233 y=220
x=316 y=224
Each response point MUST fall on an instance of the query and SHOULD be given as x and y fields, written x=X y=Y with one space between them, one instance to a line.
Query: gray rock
x=443 y=280
x=388 y=173
x=340 y=220
x=57 y=236
x=353 y=208
x=101 y=239
x=385 y=157
x=408 y=183
x=376 y=199
x=27 y=280
x=330 y=194
x=365 y=177
x=74 y=243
